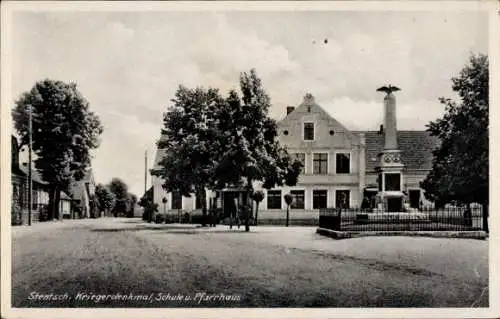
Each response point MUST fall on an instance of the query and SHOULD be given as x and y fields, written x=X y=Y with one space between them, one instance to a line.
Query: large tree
x=122 y=200
x=250 y=150
x=64 y=133
x=105 y=197
x=190 y=137
x=460 y=170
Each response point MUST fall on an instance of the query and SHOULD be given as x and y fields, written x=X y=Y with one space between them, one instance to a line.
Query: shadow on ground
x=188 y=229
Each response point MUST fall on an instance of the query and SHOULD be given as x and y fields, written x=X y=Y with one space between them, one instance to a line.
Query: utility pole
x=145 y=172
x=30 y=182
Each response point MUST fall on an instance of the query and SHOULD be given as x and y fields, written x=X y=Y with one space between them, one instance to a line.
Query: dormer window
x=309 y=131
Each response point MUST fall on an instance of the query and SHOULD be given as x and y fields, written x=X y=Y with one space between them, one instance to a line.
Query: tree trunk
x=248 y=204
x=57 y=203
x=53 y=206
x=256 y=213
x=50 y=206
x=230 y=214
x=485 y=218
x=287 y=214
x=203 y=197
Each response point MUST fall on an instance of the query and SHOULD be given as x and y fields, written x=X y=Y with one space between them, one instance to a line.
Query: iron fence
x=446 y=219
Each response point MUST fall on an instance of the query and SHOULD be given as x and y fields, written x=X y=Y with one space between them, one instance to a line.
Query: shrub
x=159 y=219
x=44 y=214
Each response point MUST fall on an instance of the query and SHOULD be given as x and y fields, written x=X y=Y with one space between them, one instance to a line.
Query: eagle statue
x=388 y=89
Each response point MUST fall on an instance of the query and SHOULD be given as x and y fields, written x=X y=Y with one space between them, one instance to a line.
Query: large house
x=340 y=166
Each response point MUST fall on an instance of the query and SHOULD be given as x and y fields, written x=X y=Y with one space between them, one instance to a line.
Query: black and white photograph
x=228 y=159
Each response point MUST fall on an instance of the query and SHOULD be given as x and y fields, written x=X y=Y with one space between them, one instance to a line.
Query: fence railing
x=447 y=219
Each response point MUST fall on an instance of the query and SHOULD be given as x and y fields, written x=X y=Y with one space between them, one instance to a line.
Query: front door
x=229 y=203
x=394 y=204
x=414 y=195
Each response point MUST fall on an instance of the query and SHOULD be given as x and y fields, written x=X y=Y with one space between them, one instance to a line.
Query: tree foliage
x=460 y=169
x=214 y=142
x=64 y=133
x=120 y=191
x=189 y=137
x=105 y=197
x=148 y=205
x=251 y=151
x=131 y=202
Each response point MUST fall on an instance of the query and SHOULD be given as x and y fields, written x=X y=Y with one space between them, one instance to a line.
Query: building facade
x=340 y=166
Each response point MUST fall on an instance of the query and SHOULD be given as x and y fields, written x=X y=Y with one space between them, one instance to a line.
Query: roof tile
x=416 y=149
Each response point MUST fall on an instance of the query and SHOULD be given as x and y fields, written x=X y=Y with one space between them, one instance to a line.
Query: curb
x=481 y=235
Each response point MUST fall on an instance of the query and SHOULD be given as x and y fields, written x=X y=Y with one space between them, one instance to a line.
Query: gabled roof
x=148 y=193
x=160 y=153
x=416 y=149
x=309 y=101
x=36 y=177
x=65 y=196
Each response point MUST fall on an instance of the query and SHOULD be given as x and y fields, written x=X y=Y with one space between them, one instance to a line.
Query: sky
x=129 y=64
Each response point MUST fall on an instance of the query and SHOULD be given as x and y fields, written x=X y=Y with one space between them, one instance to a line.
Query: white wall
x=65 y=207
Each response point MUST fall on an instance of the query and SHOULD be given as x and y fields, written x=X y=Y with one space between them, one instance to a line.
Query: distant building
x=339 y=166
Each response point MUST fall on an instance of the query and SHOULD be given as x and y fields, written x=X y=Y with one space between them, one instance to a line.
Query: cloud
x=121 y=153
x=353 y=113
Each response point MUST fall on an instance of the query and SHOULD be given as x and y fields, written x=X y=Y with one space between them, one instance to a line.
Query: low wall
x=297 y=214
x=479 y=234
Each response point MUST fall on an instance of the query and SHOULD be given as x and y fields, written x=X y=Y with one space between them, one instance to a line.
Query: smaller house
x=65 y=210
x=85 y=202
x=20 y=188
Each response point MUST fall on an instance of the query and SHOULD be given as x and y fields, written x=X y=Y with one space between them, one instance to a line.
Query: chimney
x=289 y=109
x=381 y=129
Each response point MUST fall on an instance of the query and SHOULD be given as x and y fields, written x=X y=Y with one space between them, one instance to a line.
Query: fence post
x=339 y=216
x=485 y=218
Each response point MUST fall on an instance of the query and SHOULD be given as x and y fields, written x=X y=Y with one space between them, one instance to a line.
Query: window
x=273 y=199
x=302 y=158
x=308 y=131
x=320 y=163
x=176 y=200
x=298 y=199
x=319 y=199
x=343 y=163
x=342 y=197
x=392 y=182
